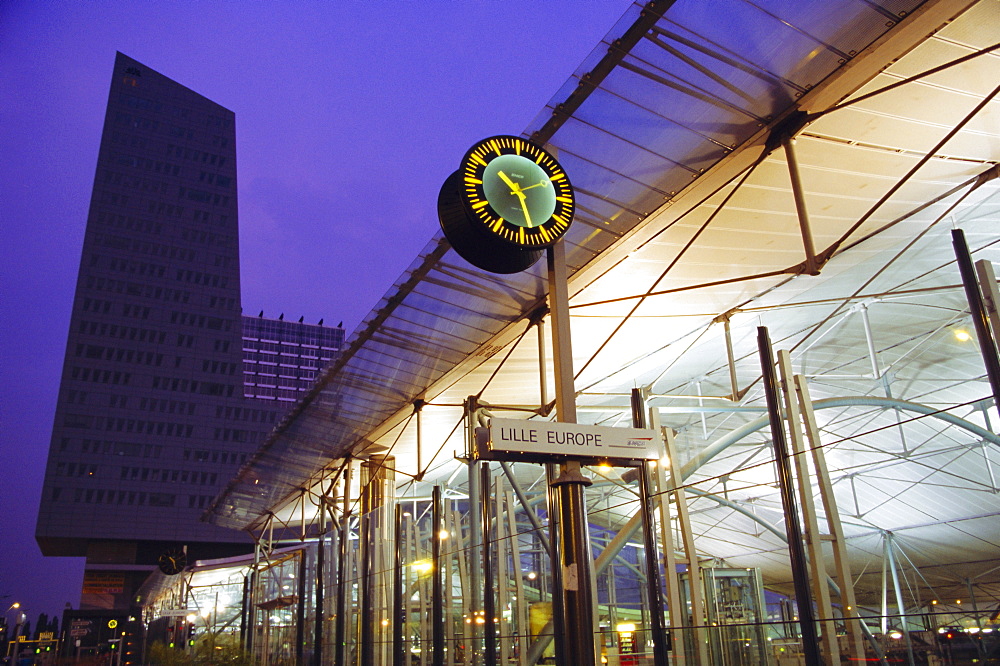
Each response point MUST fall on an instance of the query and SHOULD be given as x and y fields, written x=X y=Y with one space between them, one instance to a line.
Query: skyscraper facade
x=152 y=418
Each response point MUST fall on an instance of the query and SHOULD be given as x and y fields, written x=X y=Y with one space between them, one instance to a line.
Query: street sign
x=543 y=441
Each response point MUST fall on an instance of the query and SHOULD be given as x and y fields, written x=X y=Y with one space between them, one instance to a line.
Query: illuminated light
x=962 y=335
x=385 y=623
x=987 y=630
x=665 y=461
x=423 y=566
x=480 y=620
x=532 y=575
x=604 y=467
x=406 y=514
x=850 y=608
x=443 y=534
x=973 y=630
x=191 y=617
x=895 y=634
x=934 y=602
x=625 y=627
x=468 y=621
x=958 y=601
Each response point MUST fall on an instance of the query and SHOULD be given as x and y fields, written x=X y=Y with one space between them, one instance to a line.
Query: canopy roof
x=672 y=135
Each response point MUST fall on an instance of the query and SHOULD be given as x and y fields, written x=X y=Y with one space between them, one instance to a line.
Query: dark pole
x=317 y=657
x=654 y=586
x=555 y=565
x=300 y=611
x=796 y=551
x=489 y=604
x=246 y=613
x=437 y=592
x=343 y=543
x=577 y=567
x=399 y=611
x=980 y=318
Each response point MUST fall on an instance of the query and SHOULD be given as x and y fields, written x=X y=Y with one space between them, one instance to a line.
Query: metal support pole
x=853 y=623
x=558 y=622
x=343 y=544
x=418 y=407
x=489 y=605
x=576 y=566
x=980 y=318
x=576 y=559
x=731 y=357
x=245 y=613
x=674 y=607
x=528 y=511
x=437 y=591
x=900 y=608
x=369 y=508
x=475 y=550
x=814 y=544
x=317 y=655
x=398 y=596
x=696 y=632
x=788 y=142
x=800 y=577
x=991 y=294
x=543 y=376
x=300 y=610
x=654 y=586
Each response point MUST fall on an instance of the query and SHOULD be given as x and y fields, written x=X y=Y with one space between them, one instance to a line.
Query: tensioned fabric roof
x=686 y=226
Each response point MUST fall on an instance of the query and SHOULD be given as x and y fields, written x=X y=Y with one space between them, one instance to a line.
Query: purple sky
x=349 y=115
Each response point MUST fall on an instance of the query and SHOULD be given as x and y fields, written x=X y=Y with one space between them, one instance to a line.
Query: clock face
x=516 y=191
x=172 y=561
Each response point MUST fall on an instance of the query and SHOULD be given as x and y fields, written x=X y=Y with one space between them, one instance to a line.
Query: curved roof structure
x=687 y=134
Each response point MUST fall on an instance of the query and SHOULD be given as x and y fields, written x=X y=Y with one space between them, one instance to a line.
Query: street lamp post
x=18 y=620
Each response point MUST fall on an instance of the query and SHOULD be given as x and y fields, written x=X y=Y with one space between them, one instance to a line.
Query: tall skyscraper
x=152 y=417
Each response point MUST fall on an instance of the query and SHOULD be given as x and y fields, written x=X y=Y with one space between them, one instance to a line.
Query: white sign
x=514 y=438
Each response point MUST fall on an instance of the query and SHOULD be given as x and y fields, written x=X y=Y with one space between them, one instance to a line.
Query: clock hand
x=514 y=187
x=524 y=207
x=541 y=184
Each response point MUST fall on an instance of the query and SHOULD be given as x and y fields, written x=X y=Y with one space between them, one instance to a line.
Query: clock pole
x=576 y=566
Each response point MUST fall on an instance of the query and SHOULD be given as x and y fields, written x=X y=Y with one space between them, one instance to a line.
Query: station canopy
x=675 y=133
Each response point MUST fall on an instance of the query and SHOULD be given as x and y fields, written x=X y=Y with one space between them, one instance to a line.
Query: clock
x=172 y=561
x=508 y=201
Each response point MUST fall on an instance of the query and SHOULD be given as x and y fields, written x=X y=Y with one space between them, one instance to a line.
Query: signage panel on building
x=542 y=441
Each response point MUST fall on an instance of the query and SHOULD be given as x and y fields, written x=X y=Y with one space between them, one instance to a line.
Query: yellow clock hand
x=514 y=187
x=524 y=207
x=541 y=184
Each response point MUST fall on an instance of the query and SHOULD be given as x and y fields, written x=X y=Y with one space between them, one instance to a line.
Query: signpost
x=541 y=441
